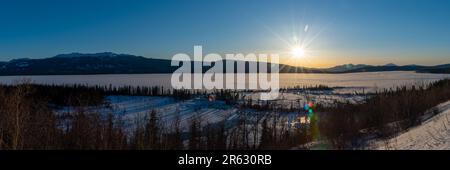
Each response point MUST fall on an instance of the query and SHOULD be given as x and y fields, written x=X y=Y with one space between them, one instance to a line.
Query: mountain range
x=111 y=63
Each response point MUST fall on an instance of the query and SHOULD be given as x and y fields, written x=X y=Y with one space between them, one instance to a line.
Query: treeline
x=319 y=87
x=62 y=95
x=267 y=131
x=385 y=114
x=84 y=95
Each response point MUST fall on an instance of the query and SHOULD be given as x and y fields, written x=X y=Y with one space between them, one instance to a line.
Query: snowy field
x=133 y=109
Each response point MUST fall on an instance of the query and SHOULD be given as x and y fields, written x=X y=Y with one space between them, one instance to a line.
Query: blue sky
x=339 y=31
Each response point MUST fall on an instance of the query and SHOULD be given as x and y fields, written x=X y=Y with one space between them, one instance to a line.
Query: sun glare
x=297 y=52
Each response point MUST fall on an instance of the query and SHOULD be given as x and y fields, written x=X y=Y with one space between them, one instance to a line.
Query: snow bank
x=433 y=134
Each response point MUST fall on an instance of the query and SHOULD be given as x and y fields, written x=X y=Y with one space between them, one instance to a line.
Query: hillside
x=75 y=63
x=434 y=133
x=111 y=63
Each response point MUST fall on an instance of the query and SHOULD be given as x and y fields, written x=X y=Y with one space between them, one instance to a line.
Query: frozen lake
x=376 y=80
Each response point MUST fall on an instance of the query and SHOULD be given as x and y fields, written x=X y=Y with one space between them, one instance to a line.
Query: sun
x=297 y=52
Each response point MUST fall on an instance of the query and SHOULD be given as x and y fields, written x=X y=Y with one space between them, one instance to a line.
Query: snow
x=296 y=99
x=136 y=108
x=432 y=134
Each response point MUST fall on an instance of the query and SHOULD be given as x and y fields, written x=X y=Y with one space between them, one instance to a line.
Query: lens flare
x=297 y=52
